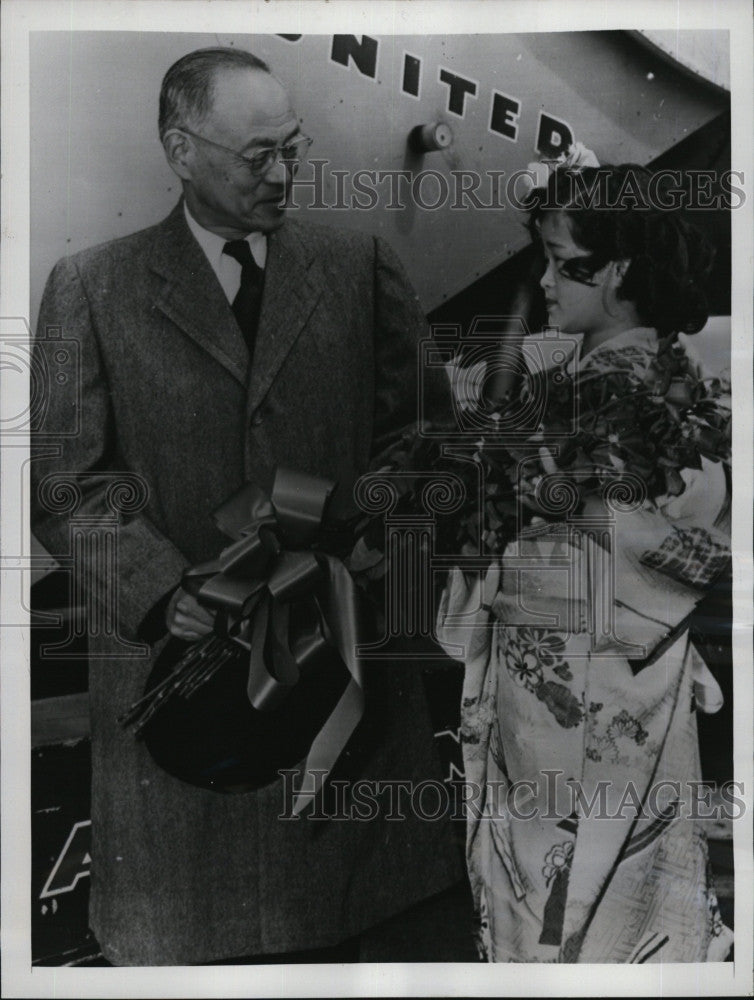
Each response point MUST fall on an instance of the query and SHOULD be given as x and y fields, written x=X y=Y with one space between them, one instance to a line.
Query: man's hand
x=186 y=618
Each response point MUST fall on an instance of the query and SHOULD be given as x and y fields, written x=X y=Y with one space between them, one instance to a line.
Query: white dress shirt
x=227 y=269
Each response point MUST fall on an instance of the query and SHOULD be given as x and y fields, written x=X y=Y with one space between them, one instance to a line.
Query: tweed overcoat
x=182 y=875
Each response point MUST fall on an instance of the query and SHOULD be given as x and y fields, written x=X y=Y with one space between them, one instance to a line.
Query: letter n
x=363 y=53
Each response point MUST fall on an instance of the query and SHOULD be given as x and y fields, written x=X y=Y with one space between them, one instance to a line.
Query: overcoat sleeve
x=149 y=564
x=403 y=383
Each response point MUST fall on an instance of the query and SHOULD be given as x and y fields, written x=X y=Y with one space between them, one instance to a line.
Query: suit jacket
x=182 y=875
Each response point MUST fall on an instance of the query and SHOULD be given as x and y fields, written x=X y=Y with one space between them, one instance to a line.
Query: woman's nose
x=546 y=280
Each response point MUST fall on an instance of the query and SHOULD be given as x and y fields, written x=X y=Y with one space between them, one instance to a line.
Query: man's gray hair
x=188 y=87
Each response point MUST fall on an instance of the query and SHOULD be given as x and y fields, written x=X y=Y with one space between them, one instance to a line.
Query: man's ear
x=179 y=153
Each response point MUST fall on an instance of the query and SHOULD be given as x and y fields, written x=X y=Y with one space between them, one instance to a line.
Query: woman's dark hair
x=617 y=213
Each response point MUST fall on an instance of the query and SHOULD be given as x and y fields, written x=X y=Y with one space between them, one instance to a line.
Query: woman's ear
x=620 y=267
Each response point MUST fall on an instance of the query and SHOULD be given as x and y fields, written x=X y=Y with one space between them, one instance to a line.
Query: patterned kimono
x=580 y=739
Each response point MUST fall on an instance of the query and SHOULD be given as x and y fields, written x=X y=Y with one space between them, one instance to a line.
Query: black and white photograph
x=376 y=541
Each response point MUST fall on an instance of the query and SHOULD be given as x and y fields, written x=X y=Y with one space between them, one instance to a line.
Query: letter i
x=411 y=74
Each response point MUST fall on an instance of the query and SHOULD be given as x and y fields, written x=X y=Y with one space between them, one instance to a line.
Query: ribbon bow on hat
x=289 y=620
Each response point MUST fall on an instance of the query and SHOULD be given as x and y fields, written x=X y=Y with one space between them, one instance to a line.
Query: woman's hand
x=186 y=618
x=464 y=618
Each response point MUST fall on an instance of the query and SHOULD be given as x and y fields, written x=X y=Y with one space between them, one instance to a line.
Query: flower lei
x=645 y=413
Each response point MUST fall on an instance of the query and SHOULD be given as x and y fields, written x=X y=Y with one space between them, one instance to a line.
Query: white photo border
x=19 y=19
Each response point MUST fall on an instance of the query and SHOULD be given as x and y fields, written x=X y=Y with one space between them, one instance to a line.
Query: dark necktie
x=249 y=296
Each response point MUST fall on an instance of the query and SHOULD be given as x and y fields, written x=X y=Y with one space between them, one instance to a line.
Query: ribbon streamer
x=285 y=604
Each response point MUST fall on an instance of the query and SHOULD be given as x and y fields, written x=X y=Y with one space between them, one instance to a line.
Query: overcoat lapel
x=192 y=297
x=293 y=283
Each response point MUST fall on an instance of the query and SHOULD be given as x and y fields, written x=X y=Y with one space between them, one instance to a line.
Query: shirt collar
x=213 y=245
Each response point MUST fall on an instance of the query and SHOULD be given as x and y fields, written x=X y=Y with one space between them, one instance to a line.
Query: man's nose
x=277 y=172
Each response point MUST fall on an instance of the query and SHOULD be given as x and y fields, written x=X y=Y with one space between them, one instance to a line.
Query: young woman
x=578 y=719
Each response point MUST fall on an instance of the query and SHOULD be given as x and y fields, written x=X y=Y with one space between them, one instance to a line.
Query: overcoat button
x=256 y=420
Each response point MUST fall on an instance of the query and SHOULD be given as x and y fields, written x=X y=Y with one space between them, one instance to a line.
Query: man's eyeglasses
x=260 y=161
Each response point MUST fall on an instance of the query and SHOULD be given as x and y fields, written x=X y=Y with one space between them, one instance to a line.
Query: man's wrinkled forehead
x=249 y=99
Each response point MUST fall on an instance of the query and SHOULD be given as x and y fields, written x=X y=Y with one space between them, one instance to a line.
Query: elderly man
x=214 y=346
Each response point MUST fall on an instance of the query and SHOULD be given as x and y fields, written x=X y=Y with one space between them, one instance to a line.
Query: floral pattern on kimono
x=580 y=847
